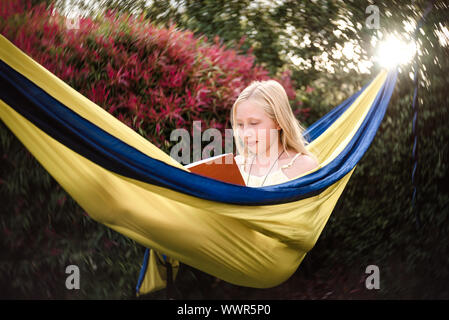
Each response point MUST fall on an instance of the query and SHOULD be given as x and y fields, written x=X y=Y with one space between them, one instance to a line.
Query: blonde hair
x=271 y=96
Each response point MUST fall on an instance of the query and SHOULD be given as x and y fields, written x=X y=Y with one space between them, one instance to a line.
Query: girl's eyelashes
x=253 y=124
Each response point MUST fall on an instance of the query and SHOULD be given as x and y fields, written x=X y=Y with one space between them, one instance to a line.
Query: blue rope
x=415 y=118
x=415 y=143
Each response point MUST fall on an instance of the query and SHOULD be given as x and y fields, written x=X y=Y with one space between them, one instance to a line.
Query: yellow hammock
x=254 y=237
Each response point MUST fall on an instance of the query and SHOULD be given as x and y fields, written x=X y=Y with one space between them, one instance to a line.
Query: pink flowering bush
x=153 y=79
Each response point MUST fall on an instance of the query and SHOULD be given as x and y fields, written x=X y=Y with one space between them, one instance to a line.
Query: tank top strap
x=291 y=161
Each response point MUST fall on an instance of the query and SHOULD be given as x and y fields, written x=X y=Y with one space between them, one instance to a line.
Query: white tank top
x=274 y=177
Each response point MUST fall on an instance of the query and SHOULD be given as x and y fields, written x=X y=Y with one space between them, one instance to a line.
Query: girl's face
x=257 y=131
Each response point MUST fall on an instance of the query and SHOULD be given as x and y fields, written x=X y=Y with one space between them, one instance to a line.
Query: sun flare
x=392 y=52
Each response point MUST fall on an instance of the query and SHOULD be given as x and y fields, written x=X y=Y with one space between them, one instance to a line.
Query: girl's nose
x=248 y=132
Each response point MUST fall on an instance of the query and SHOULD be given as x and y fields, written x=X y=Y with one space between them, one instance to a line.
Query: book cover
x=222 y=167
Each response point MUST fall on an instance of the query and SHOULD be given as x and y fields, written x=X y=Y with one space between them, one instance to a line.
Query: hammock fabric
x=254 y=237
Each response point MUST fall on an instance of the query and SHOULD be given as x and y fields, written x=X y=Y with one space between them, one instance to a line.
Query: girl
x=269 y=139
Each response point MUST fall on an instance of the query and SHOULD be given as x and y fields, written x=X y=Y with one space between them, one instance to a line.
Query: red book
x=222 y=167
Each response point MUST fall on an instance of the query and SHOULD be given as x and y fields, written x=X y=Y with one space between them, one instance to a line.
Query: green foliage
x=374 y=223
x=44 y=230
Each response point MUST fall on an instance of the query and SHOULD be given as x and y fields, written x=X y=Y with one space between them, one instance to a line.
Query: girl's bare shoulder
x=300 y=164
